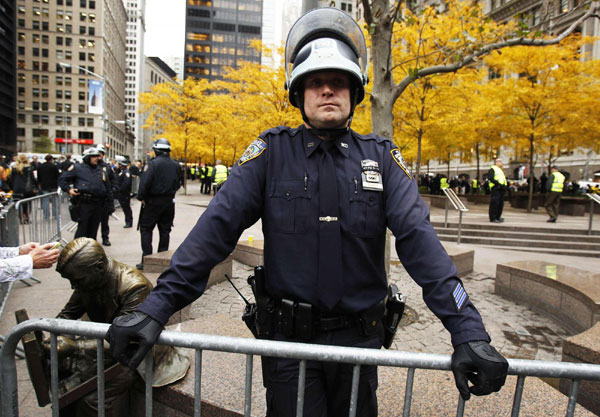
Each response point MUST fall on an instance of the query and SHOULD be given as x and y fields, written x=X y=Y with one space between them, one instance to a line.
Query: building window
x=44 y=105
x=82 y=30
x=69 y=28
x=45 y=39
x=21 y=117
x=68 y=82
x=82 y=56
x=81 y=95
x=21 y=105
x=44 y=93
x=21 y=23
x=45 y=119
x=35 y=24
x=68 y=15
x=91 y=31
x=90 y=122
x=59 y=40
x=59 y=94
x=81 y=108
x=59 y=80
x=45 y=26
x=82 y=82
x=35 y=105
x=21 y=91
x=60 y=14
x=68 y=41
x=564 y=6
x=35 y=118
x=81 y=121
x=21 y=50
x=45 y=79
x=68 y=56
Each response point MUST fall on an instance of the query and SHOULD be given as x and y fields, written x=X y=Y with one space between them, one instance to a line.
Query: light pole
x=103 y=79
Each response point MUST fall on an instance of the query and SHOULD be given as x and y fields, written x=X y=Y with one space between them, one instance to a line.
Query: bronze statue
x=104 y=289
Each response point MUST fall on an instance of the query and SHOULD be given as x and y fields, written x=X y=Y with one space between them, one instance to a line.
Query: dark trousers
x=328 y=384
x=104 y=223
x=205 y=187
x=552 y=204
x=496 y=203
x=157 y=212
x=90 y=214
x=125 y=203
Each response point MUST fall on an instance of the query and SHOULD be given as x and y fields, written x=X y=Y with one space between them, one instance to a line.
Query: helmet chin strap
x=330 y=133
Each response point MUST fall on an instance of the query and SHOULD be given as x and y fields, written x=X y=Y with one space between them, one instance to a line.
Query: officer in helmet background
x=325 y=195
x=109 y=203
x=156 y=191
x=123 y=191
x=89 y=188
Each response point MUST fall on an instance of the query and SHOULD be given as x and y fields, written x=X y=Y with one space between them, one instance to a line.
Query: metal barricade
x=594 y=198
x=250 y=347
x=457 y=204
x=66 y=224
x=39 y=218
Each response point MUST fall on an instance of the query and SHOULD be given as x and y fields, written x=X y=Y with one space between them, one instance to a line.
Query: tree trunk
x=477 y=157
x=531 y=176
x=448 y=173
x=380 y=23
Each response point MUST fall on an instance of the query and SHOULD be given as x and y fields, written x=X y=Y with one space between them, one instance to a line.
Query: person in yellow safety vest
x=556 y=183
x=207 y=182
x=498 y=185
x=444 y=183
x=220 y=174
x=475 y=186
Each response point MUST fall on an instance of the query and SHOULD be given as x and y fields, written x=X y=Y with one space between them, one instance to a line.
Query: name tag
x=371 y=177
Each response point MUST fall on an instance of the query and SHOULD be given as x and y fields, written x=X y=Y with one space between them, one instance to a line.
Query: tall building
x=71 y=75
x=176 y=64
x=134 y=72
x=218 y=34
x=278 y=18
x=155 y=72
x=8 y=49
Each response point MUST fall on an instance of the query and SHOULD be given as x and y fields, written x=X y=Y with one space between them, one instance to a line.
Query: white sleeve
x=9 y=252
x=13 y=269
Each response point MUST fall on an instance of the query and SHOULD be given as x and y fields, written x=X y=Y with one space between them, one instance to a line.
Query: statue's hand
x=64 y=346
x=131 y=337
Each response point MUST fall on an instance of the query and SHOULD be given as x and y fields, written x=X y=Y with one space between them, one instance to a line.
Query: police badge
x=255 y=149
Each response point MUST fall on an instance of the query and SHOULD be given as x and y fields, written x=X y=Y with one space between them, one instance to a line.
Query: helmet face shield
x=325 y=23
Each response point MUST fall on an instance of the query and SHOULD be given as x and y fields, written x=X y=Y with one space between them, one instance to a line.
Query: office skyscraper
x=218 y=34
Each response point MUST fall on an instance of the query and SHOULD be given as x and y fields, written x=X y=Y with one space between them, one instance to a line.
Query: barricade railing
x=251 y=347
x=594 y=198
x=457 y=204
x=39 y=218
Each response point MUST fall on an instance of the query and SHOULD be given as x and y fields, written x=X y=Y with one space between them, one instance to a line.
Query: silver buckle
x=328 y=219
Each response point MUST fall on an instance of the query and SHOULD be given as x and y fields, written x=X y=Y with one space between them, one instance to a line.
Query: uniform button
x=287 y=194
x=371 y=199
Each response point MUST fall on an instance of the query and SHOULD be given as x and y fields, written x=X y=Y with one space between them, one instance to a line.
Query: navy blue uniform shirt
x=277 y=180
x=123 y=187
x=162 y=178
x=87 y=179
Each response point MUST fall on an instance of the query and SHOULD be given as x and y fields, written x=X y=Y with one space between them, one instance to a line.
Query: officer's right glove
x=482 y=365
x=131 y=337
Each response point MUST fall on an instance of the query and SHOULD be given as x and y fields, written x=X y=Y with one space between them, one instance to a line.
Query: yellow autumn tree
x=541 y=87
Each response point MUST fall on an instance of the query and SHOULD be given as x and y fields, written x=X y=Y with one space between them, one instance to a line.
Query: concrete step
x=555 y=251
x=510 y=228
x=530 y=243
x=520 y=235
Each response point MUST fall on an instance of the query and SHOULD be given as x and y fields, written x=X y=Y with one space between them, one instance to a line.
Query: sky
x=165 y=28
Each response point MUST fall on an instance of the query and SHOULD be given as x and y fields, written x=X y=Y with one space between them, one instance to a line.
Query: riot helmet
x=101 y=149
x=325 y=39
x=91 y=151
x=161 y=145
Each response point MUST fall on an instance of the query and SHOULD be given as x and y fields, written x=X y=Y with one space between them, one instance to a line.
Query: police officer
x=556 y=184
x=123 y=192
x=157 y=190
x=498 y=185
x=109 y=203
x=207 y=181
x=219 y=175
x=323 y=260
x=89 y=186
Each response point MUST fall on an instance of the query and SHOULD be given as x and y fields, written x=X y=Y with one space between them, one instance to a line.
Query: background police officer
x=325 y=195
x=555 y=184
x=498 y=185
x=219 y=175
x=109 y=203
x=157 y=190
x=89 y=186
x=123 y=192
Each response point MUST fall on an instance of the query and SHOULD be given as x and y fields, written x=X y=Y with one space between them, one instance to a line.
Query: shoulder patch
x=397 y=155
x=255 y=149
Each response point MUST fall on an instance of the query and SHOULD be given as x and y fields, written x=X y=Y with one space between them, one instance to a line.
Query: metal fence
x=457 y=204
x=251 y=347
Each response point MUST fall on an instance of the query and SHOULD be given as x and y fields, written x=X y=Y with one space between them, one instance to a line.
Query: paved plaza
x=516 y=331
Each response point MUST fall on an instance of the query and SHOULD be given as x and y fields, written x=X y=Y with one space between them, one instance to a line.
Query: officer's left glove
x=481 y=364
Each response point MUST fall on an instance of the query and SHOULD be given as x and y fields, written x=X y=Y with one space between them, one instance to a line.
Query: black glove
x=131 y=337
x=482 y=365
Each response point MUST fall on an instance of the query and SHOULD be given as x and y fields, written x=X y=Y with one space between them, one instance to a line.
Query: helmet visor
x=325 y=22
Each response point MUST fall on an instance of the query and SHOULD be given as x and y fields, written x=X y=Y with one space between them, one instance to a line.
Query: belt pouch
x=303 y=321
x=286 y=312
x=370 y=318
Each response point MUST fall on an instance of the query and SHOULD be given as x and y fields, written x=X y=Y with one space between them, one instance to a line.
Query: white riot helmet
x=161 y=145
x=325 y=39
